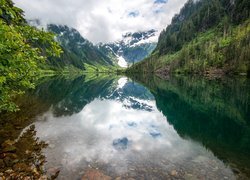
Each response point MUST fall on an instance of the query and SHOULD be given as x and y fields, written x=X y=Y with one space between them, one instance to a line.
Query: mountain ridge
x=204 y=38
x=77 y=51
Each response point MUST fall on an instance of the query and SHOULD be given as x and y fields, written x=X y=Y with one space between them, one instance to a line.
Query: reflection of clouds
x=93 y=130
x=104 y=128
x=108 y=132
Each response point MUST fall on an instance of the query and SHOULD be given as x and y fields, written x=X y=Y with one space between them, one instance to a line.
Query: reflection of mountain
x=215 y=113
x=74 y=95
x=77 y=93
x=133 y=96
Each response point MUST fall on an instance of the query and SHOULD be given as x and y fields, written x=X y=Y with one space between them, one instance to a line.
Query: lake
x=115 y=127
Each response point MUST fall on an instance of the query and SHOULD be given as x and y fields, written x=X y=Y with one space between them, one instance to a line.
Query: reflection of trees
x=70 y=96
x=215 y=113
x=23 y=158
x=13 y=123
x=65 y=96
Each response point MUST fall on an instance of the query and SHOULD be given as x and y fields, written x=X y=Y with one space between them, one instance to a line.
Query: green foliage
x=200 y=16
x=10 y=14
x=204 y=38
x=21 y=48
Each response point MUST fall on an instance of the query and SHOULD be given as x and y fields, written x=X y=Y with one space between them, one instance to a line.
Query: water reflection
x=115 y=125
x=213 y=112
x=67 y=96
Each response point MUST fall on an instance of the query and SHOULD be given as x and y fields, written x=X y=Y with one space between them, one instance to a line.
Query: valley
x=117 y=89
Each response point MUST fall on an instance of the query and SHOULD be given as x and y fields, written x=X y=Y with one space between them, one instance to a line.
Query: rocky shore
x=23 y=159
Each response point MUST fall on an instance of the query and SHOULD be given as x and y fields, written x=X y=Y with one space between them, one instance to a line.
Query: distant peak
x=140 y=34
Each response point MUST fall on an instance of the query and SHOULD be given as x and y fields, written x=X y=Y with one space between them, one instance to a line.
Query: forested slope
x=77 y=51
x=207 y=36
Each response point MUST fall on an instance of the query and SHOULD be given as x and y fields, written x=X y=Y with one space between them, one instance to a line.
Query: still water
x=149 y=128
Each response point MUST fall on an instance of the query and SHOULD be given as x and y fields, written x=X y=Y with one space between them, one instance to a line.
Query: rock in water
x=173 y=173
x=2 y=165
x=53 y=172
x=94 y=174
x=8 y=143
x=20 y=167
x=9 y=149
x=8 y=161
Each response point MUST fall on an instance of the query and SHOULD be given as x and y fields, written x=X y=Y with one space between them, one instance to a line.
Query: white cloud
x=103 y=20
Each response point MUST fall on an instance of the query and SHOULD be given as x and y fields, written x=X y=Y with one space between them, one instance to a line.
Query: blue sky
x=103 y=20
x=160 y=1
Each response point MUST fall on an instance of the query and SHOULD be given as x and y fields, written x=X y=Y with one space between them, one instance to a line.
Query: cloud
x=106 y=20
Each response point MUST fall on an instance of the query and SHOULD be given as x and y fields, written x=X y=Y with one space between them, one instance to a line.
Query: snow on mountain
x=132 y=48
x=137 y=38
x=122 y=62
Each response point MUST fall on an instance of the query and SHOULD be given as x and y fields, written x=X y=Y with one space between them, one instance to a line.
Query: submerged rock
x=8 y=143
x=8 y=161
x=53 y=172
x=23 y=159
x=21 y=167
x=93 y=174
x=2 y=165
x=9 y=171
x=9 y=149
x=173 y=173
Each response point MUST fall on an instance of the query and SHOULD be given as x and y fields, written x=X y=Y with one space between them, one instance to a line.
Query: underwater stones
x=20 y=167
x=23 y=159
x=8 y=161
x=9 y=149
x=173 y=173
x=8 y=146
x=53 y=172
x=93 y=174
x=2 y=165
x=8 y=143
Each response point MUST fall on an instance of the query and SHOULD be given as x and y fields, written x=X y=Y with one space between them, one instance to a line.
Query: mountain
x=133 y=47
x=77 y=51
x=206 y=37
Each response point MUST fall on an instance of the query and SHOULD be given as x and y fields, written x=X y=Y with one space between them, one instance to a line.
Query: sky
x=103 y=20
